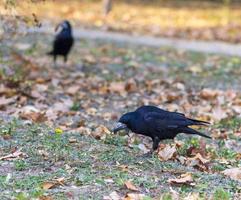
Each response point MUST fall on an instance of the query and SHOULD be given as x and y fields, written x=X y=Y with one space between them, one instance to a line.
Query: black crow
x=158 y=124
x=63 y=41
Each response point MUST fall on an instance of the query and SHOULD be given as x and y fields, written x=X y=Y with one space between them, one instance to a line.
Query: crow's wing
x=62 y=44
x=58 y=42
x=166 y=121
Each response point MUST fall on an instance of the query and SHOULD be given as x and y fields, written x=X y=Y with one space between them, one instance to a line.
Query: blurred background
x=191 y=19
x=51 y=114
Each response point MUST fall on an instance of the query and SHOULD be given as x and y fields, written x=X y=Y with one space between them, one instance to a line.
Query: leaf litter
x=91 y=100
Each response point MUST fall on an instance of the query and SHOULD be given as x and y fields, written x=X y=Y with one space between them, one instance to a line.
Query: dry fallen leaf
x=101 y=132
x=193 y=150
x=51 y=184
x=90 y=59
x=72 y=140
x=5 y=101
x=172 y=96
x=208 y=94
x=60 y=180
x=118 y=87
x=195 y=69
x=218 y=113
x=143 y=147
x=192 y=196
x=134 y=196
x=166 y=152
x=129 y=185
x=38 y=117
x=45 y=198
x=112 y=196
x=13 y=155
x=233 y=173
x=198 y=161
x=131 y=86
x=72 y=90
x=48 y=185
x=183 y=179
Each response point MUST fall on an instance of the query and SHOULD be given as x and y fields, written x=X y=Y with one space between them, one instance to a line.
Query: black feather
x=160 y=124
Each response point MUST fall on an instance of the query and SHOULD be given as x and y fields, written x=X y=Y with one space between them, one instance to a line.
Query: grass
x=221 y=194
x=88 y=163
x=94 y=168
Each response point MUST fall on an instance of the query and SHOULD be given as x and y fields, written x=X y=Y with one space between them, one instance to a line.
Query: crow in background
x=158 y=124
x=63 y=41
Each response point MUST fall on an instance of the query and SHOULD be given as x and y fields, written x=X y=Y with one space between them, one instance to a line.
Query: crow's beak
x=119 y=126
x=57 y=27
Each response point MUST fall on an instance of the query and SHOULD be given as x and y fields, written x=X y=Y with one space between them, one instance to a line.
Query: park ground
x=55 y=122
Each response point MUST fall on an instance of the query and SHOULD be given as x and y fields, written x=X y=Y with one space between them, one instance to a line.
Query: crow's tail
x=188 y=130
x=199 y=122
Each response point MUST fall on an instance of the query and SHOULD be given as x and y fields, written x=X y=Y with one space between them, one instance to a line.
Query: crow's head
x=65 y=25
x=124 y=122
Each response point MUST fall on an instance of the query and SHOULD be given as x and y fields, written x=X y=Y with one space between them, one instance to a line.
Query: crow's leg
x=65 y=58
x=55 y=58
x=156 y=141
x=155 y=145
x=147 y=155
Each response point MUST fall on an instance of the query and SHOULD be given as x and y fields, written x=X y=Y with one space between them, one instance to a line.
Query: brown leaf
x=194 y=150
x=172 y=96
x=129 y=185
x=13 y=155
x=143 y=147
x=123 y=168
x=91 y=111
x=117 y=87
x=199 y=157
x=112 y=196
x=72 y=140
x=62 y=106
x=134 y=196
x=51 y=184
x=48 y=185
x=44 y=153
x=167 y=152
x=218 y=113
x=131 y=86
x=195 y=69
x=183 y=179
x=192 y=196
x=233 y=173
x=60 y=180
x=198 y=161
x=90 y=59
x=45 y=198
x=208 y=94
x=72 y=90
x=38 y=117
x=6 y=101
x=101 y=132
